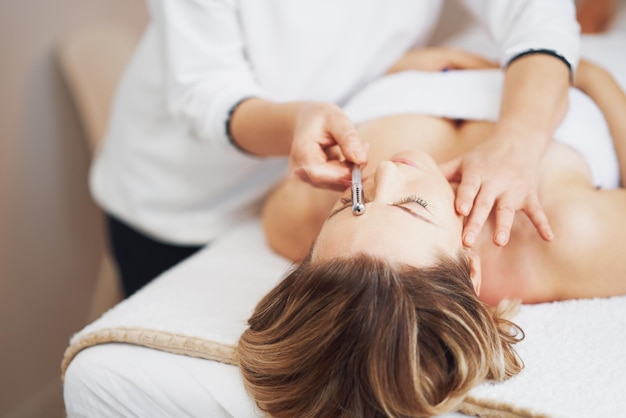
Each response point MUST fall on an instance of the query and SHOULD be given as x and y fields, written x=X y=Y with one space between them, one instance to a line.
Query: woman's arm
x=594 y=16
x=293 y=215
x=591 y=221
x=600 y=85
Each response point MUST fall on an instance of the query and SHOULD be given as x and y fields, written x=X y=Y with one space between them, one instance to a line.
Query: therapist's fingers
x=476 y=202
x=505 y=215
x=334 y=153
x=320 y=166
x=468 y=188
x=325 y=144
x=537 y=216
x=467 y=195
x=332 y=175
x=341 y=129
x=476 y=219
x=505 y=212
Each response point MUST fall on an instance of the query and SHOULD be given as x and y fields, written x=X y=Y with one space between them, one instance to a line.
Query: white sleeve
x=521 y=26
x=205 y=67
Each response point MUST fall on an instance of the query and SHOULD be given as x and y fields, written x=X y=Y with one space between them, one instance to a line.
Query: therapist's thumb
x=452 y=169
x=345 y=135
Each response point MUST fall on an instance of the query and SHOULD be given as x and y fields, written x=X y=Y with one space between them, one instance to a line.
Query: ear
x=475 y=272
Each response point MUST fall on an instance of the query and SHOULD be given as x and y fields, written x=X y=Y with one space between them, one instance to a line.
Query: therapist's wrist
x=229 y=122
x=528 y=139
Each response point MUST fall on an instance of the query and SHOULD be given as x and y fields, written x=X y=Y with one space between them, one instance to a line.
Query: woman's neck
x=514 y=271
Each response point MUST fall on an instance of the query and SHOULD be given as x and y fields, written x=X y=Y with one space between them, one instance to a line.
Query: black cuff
x=227 y=123
x=550 y=52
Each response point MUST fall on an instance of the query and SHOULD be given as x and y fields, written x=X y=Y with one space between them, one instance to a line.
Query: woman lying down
x=389 y=314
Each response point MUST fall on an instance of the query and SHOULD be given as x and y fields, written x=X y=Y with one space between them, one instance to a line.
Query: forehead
x=383 y=231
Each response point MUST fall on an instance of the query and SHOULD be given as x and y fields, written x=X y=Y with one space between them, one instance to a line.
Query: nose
x=386 y=179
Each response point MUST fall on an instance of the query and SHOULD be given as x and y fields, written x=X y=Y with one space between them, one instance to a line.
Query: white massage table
x=165 y=351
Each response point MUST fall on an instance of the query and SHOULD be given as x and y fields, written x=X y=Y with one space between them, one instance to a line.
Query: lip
x=402 y=160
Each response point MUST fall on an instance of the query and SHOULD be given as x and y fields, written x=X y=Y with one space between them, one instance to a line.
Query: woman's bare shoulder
x=293 y=215
x=586 y=258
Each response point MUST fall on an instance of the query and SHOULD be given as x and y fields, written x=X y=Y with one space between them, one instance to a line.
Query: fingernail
x=464 y=209
x=469 y=239
x=501 y=238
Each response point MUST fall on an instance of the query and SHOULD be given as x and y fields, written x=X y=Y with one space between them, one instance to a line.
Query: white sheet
x=573 y=351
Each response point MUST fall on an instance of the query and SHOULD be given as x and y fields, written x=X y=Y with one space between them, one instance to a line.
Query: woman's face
x=409 y=215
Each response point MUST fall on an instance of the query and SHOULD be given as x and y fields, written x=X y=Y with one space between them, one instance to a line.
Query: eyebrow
x=407 y=210
x=413 y=214
x=336 y=211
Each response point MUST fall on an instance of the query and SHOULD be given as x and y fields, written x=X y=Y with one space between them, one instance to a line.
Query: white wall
x=50 y=230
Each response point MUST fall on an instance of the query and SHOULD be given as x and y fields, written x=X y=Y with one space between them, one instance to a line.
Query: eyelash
x=415 y=199
x=407 y=199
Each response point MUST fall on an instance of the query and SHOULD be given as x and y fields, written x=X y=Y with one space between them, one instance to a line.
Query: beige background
x=50 y=231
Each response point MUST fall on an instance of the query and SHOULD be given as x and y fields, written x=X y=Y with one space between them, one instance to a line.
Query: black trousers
x=140 y=259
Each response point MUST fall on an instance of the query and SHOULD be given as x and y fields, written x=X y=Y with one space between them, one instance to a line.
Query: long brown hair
x=360 y=337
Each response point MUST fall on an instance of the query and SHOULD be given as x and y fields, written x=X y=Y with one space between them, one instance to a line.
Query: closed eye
x=402 y=204
x=347 y=202
x=412 y=198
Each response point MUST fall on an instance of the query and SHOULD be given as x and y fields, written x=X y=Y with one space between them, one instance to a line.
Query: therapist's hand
x=325 y=143
x=499 y=175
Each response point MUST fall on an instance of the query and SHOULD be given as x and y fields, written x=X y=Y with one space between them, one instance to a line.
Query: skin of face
x=394 y=226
